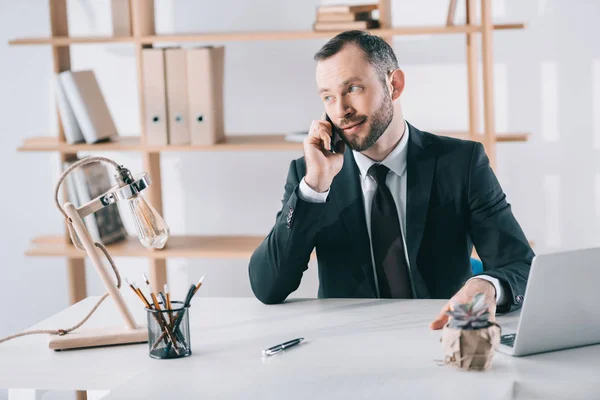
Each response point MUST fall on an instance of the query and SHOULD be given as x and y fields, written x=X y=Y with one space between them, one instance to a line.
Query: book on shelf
x=345 y=17
x=121 y=17
x=71 y=128
x=451 y=13
x=347 y=8
x=86 y=183
x=343 y=26
x=87 y=102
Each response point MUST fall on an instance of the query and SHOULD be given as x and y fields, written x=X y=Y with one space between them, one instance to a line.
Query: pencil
x=163 y=323
x=199 y=284
x=168 y=294
x=138 y=293
x=141 y=295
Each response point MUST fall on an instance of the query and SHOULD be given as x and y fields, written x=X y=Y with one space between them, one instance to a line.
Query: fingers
x=441 y=320
x=320 y=132
x=324 y=116
x=492 y=310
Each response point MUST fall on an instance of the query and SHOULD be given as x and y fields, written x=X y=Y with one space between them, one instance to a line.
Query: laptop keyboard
x=508 y=340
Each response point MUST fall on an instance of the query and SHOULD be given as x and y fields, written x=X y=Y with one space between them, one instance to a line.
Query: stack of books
x=82 y=108
x=345 y=17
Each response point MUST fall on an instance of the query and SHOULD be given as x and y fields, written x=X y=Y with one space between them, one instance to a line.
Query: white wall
x=547 y=83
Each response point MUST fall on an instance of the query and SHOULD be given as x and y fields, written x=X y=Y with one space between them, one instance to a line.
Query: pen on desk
x=280 y=347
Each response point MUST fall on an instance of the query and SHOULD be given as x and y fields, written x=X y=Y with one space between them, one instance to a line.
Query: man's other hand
x=465 y=295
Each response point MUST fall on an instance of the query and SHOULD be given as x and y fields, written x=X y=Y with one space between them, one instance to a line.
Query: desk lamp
x=152 y=232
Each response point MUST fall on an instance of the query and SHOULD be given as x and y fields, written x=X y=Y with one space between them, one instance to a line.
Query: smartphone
x=335 y=135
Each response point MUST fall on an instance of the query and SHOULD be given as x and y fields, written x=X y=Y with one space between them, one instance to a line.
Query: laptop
x=561 y=307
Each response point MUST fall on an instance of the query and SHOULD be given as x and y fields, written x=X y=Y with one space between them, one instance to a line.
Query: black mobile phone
x=335 y=135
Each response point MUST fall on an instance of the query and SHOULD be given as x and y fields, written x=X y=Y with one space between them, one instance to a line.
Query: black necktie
x=386 y=236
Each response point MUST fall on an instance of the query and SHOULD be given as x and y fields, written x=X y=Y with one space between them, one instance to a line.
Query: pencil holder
x=169 y=331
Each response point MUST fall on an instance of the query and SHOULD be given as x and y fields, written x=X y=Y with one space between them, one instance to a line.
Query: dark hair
x=379 y=54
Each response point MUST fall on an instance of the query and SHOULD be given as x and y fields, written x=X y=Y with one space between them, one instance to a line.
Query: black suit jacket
x=454 y=201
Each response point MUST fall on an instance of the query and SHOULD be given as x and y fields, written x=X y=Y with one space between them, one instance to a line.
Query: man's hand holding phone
x=322 y=165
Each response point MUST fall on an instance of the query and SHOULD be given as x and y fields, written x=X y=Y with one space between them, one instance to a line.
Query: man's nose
x=343 y=110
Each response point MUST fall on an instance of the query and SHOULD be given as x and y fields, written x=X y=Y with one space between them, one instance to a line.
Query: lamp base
x=82 y=338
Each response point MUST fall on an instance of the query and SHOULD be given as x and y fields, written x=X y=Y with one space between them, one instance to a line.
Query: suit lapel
x=420 y=169
x=347 y=194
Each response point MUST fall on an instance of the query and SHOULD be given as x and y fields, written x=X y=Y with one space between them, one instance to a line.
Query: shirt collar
x=395 y=161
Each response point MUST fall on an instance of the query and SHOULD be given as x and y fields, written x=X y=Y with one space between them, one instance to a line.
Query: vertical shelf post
x=61 y=61
x=472 y=72
x=385 y=19
x=488 y=81
x=143 y=24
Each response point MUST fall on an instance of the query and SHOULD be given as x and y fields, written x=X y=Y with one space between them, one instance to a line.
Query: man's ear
x=397 y=83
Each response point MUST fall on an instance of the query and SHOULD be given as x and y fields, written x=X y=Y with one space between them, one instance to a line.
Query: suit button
x=519 y=299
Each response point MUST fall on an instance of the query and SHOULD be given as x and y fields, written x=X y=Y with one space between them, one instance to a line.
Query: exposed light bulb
x=151 y=227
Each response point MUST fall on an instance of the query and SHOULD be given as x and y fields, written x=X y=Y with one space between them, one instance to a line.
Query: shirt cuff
x=494 y=281
x=307 y=194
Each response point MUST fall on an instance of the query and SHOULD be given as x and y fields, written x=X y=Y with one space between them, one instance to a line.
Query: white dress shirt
x=396 y=182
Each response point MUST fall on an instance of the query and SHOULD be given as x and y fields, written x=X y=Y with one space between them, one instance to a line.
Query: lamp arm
x=90 y=249
x=82 y=240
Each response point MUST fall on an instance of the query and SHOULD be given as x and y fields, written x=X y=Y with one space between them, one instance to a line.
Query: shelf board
x=133 y=143
x=253 y=36
x=177 y=247
x=237 y=142
x=68 y=40
x=226 y=247
x=51 y=143
x=500 y=137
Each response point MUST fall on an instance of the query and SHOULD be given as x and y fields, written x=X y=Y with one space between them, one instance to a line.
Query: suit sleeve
x=496 y=234
x=277 y=265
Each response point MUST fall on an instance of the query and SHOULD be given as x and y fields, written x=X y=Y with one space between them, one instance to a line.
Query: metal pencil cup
x=169 y=331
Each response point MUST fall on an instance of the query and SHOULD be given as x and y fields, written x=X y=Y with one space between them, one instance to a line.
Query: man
x=394 y=212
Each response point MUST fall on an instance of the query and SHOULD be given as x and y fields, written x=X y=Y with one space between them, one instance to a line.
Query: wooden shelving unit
x=235 y=142
x=253 y=36
x=191 y=246
x=144 y=35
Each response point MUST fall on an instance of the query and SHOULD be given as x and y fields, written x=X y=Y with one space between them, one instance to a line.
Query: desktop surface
x=354 y=348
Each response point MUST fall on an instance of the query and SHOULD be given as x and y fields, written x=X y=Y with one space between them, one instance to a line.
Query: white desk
x=354 y=349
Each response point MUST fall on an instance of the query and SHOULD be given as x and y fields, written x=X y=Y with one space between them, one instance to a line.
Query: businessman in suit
x=393 y=212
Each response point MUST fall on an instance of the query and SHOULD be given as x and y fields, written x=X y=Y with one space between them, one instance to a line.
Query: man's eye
x=354 y=87
x=327 y=98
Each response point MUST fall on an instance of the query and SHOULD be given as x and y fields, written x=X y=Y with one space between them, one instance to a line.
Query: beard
x=377 y=124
